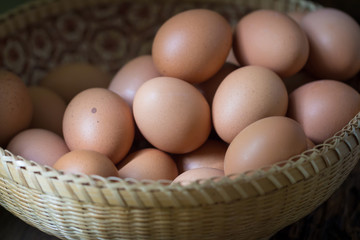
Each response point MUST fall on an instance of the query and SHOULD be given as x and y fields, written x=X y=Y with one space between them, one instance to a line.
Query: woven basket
x=37 y=36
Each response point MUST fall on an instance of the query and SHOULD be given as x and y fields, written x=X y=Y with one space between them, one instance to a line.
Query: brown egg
x=244 y=96
x=334 y=38
x=15 y=106
x=208 y=88
x=39 y=145
x=69 y=79
x=130 y=77
x=192 y=45
x=148 y=163
x=211 y=154
x=172 y=114
x=100 y=120
x=86 y=162
x=271 y=39
x=49 y=109
x=195 y=174
x=264 y=142
x=323 y=107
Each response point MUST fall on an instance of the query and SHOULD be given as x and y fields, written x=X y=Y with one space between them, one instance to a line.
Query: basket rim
x=310 y=157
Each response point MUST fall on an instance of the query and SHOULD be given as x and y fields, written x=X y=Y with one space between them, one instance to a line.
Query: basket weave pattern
x=108 y=33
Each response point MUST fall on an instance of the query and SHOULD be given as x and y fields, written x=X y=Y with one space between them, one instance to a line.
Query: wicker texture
x=244 y=206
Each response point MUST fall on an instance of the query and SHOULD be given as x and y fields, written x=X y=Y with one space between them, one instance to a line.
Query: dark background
x=338 y=218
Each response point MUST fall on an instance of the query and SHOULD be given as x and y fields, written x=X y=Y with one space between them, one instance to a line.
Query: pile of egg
x=211 y=100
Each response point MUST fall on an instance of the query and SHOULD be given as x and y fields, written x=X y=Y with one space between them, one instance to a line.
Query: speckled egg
x=86 y=162
x=39 y=145
x=271 y=39
x=323 y=107
x=172 y=114
x=263 y=143
x=192 y=45
x=132 y=75
x=244 y=96
x=100 y=120
x=16 y=107
x=148 y=163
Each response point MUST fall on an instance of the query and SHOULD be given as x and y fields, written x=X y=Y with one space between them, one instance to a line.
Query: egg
x=49 y=109
x=334 y=38
x=263 y=143
x=69 y=79
x=211 y=154
x=130 y=77
x=86 y=162
x=39 y=145
x=100 y=120
x=209 y=87
x=15 y=106
x=271 y=39
x=150 y=164
x=192 y=45
x=198 y=174
x=172 y=114
x=323 y=107
x=244 y=96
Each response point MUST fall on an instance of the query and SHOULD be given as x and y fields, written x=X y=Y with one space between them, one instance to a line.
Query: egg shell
x=271 y=39
x=172 y=114
x=264 y=142
x=192 y=45
x=198 y=174
x=150 y=164
x=211 y=154
x=15 y=106
x=86 y=162
x=334 y=38
x=323 y=107
x=49 y=109
x=100 y=120
x=244 y=96
x=69 y=79
x=130 y=77
x=39 y=145
x=209 y=87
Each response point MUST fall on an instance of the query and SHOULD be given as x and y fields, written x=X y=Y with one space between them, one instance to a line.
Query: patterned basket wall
x=38 y=36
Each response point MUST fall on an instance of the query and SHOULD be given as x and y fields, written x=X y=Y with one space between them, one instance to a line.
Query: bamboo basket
x=39 y=35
